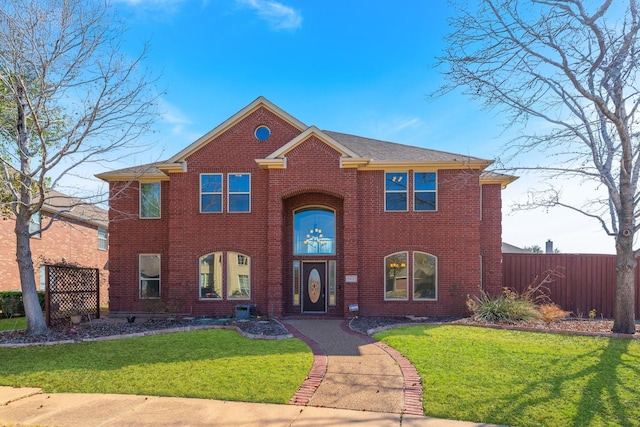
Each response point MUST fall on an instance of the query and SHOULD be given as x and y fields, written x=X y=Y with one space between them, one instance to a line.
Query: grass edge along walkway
x=212 y=364
x=522 y=378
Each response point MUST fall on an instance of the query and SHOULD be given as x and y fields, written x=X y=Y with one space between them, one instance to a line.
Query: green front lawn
x=212 y=364
x=523 y=378
x=13 y=324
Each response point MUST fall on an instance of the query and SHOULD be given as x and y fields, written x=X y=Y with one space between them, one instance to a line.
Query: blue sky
x=359 y=67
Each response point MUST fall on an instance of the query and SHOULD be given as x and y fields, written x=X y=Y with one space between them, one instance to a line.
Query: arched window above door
x=314 y=231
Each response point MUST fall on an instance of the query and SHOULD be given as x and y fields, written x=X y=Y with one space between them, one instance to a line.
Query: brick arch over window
x=292 y=204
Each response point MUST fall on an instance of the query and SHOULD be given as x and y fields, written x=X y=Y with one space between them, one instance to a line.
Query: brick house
x=266 y=211
x=79 y=235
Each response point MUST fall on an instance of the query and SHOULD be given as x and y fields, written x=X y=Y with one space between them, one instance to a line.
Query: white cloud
x=277 y=15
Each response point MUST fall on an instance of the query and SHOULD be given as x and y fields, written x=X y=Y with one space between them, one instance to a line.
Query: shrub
x=11 y=303
x=533 y=303
x=509 y=306
x=550 y=312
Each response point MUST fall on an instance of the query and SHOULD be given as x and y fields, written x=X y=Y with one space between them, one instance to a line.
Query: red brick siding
x=491 y=238
x=365 y=233
x=74 y=241
x=451 y=234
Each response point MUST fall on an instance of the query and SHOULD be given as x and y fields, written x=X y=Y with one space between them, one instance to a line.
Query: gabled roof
x=356 y=152
x=260 y=102
x=75 y=209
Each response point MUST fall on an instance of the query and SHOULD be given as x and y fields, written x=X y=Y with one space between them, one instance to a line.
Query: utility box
x=243 y=311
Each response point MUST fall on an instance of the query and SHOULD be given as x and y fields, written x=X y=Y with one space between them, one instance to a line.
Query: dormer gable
x=278 y=159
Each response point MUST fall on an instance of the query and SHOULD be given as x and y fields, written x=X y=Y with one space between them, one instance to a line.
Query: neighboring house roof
x=356 y=152
x=76 y=209
x=511 y=249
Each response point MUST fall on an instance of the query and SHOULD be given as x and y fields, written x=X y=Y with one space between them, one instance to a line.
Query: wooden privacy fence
x=589 y=281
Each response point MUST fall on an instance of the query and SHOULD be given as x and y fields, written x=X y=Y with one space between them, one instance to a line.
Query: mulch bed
x=271 y=328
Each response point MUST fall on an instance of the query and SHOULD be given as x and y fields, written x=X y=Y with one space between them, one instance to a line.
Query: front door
x=314 y=287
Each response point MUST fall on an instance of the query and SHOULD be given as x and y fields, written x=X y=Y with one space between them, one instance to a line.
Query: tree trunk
x=36 y=324
x=624 y=311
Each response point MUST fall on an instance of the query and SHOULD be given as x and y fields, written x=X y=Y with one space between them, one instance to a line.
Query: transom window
x=314 y=231
x=149 y=200
x=396 y=185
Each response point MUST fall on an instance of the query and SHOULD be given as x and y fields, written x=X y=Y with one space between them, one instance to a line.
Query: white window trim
x=221 y=296
x=159 y=200
x=384 y=287
x=229 y=276
x=221 y=193
x=406 y=192
x=105 y=240
x=229 y=193
x=140 y=278
x=413 y=278
x=424 y=191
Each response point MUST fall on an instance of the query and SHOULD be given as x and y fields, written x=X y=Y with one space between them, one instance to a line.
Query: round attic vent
x=262 y=133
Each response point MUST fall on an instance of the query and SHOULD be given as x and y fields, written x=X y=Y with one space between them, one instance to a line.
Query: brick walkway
x=353 y=371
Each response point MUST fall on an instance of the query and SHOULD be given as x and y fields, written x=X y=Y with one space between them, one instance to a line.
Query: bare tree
x=565 y=72
x=67 y=96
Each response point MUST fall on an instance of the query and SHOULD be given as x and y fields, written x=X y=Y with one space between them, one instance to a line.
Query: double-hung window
x=239 y=192
x=149 y=200
x=102 y=239
x=149 y=273
x=424 y=191
x=211 y=192
x=395 y=190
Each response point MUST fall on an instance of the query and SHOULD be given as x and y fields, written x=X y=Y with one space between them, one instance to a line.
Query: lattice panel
x=71 y=290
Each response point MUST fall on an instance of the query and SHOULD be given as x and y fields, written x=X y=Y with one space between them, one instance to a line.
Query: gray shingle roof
x=391 y=151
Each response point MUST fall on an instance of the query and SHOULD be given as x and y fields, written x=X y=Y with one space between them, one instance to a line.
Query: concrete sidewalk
x=28 y=406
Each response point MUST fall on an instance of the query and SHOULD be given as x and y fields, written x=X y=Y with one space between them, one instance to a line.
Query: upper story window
x=149 y=200
x=211 y=192
x=395 y=191
x=314 y=231
x=424 y=191
x=103 y=235
x=239 y=186
x=35 y=225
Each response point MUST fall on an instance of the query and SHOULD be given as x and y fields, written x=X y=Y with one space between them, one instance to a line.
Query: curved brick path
x=353 y=371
